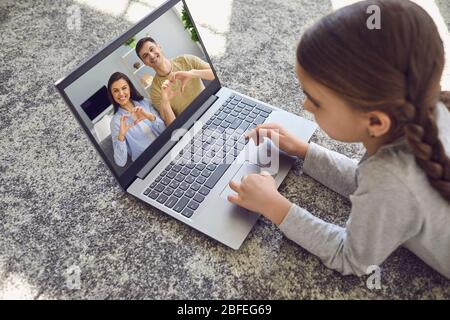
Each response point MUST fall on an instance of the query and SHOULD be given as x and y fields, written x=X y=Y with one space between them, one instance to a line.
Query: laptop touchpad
x=245 y=169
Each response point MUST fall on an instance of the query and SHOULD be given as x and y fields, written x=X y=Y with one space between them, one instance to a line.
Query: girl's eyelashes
x=308 y=97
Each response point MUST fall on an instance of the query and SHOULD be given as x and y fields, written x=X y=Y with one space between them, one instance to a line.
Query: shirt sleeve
x=155 y=95
x=120 y=147
x=382 y=218
x=158 y=126
x=196 y=63
x=331 y=169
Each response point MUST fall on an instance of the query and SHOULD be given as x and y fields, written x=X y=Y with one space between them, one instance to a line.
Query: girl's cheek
x=307 y=106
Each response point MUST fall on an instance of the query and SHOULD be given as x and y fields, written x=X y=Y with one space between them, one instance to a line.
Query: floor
x=67 y=231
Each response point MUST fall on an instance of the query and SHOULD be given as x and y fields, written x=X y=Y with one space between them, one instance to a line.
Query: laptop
x=186 y=166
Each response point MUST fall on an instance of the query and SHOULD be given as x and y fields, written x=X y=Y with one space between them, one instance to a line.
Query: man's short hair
x=141 y=43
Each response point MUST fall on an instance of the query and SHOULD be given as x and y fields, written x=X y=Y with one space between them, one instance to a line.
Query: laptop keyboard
x=187 y=180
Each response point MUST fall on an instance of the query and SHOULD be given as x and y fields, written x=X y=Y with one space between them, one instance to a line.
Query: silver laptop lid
x=99 y=91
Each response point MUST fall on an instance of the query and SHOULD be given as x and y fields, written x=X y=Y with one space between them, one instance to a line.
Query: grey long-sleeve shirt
x=393 y=205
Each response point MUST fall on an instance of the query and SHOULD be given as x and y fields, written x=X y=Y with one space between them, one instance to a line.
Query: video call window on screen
x=129 y=98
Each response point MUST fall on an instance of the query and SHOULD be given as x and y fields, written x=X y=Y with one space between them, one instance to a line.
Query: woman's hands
x=142 y=115
x=258 y=193
x=284 y=140
x=124 y=127
x=138 y=114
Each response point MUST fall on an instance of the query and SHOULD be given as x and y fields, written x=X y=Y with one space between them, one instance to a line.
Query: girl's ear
x=379 y=123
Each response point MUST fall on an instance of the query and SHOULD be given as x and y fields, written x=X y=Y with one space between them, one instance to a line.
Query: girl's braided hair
x=395 y=69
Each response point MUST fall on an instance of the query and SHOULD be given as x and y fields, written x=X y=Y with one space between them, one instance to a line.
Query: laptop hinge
x=170 y=144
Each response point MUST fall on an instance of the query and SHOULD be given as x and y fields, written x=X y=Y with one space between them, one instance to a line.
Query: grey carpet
x=60 y=207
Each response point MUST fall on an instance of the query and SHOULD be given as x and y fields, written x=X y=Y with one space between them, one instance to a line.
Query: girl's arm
x=331 y=169
x=120 y=147
x=381 y=219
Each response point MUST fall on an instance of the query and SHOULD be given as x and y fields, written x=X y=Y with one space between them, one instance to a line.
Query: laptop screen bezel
x=128 y=176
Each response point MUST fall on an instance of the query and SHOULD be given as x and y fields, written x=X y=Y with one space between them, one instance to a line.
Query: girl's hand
x=258 y=193
x=124 y=127
x=142 y=115
x=284 y=140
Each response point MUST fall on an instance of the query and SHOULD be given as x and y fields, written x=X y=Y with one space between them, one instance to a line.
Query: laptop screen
x=131 y=92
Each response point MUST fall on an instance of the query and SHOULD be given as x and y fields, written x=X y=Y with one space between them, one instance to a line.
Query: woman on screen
x=136 y=124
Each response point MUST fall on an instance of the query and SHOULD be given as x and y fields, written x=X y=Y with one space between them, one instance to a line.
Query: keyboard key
x=171 y=174
x=252 y=115
x=206 y=173
x=259 y=120
x=248 y=102
x=263 y=114
x=189 y=193
x=236 y=123
x=174 y=184
x=217 y=174
x=185 y=171
x=171 y=202
x=264 y=108
x=193 y=205
x=240 y=146
x=181 y=204
x=189 y=179
x=179 y=177
x=159 y=187
x=184 y=186
x=190 y=166
x=244 y=125
x=146 y=192
x=201 y=180
x=204 y=191
x=178 y=193
x=195 y=172
x=200 y=166
x=162 y=198
x=199 y=198
x=195 y=186
x=187 y=213
x=230 y=119
x=168 y=191
x=153 y=194
x=165 y=181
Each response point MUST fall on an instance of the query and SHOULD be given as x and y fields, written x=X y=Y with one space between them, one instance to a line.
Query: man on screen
x=178 y=81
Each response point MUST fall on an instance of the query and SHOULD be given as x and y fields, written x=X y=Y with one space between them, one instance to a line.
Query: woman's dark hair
x=134 y=94
x=396 y=69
